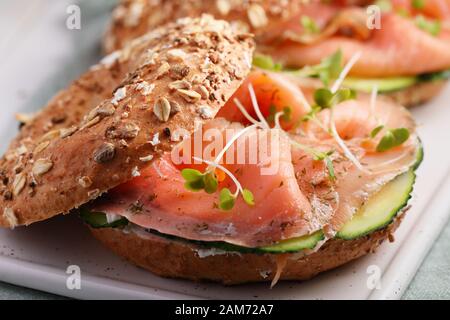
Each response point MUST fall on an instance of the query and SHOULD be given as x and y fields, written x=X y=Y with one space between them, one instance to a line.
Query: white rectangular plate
x=38 y=56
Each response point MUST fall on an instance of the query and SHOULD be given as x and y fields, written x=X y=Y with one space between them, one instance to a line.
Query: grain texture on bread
x=104 y=128
x=176 y=259
x=417 y=94
x=133 y=18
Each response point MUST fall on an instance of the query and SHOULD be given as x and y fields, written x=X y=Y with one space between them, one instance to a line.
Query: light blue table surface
x=431 y=282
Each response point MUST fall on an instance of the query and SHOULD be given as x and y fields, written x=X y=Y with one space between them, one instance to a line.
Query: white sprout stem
x=303 y=99
x=244 y=112
x=256 y=106
x=233 y=140
x=337 y=84
x=342 y=144
x=278 y=115
x=239 y=187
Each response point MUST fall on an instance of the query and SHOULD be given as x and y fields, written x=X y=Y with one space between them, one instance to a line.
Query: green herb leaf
x=211 y=183
x=248 y=197
x=227 y=199
x=194 y=179
x=433 y=27
x=312 y=114
x=401 y=135
x=323 y=98
x=330 y=168
x=195 y=186
x=376 y=131
x=343 y=95
x=418 y=4
x=191 y=174
x=330 y=67
x=266 y=62
x=393 y=138
x=309 y=24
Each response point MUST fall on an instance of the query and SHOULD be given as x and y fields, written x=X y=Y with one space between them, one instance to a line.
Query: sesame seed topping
x=162 y=70
x=93 y=194
x=25 y=118
x=135 y=173
x=90 y=123
x=111 y=59
x=125 y=130
x=67 y=132
x=162 y=109
x=41 y=147
x=119 y=95
x=19 y=184
x=105 y=153
x=223 y=6
x=180 y=84
x=42 y=166
x=21 y=150
x=145 y=88
x=49 y=136
x=176 y=55
x=146 y=158
x=85 y=182
x=189 y=95
x=155 y=140
x=204 y=92
x=206 y=112
x=257 y=16
x=10 y=217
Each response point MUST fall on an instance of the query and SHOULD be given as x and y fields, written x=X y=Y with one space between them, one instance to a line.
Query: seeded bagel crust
x=177 y=259
x=133 y=18
x=120 y=115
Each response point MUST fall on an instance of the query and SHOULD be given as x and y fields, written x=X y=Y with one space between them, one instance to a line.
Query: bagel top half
x=99 y=132
x=133 y=18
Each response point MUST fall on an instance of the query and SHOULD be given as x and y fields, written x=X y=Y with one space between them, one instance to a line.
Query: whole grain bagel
x=134 y=18
x=99 y=132
x=178 y=259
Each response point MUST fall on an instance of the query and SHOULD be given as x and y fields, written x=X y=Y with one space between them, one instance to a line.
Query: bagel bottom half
x=418 y=93
x=179 y=259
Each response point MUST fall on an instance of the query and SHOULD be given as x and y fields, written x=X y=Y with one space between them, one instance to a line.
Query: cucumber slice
x=381 y=209
x=384 y=85
x=435 y=76
x=285 y=246
x=295 y=244
x=99 y=220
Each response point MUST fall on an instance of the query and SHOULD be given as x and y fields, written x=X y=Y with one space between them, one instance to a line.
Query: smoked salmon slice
x=399 y=48
x=299 y=197
x=159 y=200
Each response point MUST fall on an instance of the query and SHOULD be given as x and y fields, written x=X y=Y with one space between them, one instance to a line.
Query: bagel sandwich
x=299 y=34
x=312 y=200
